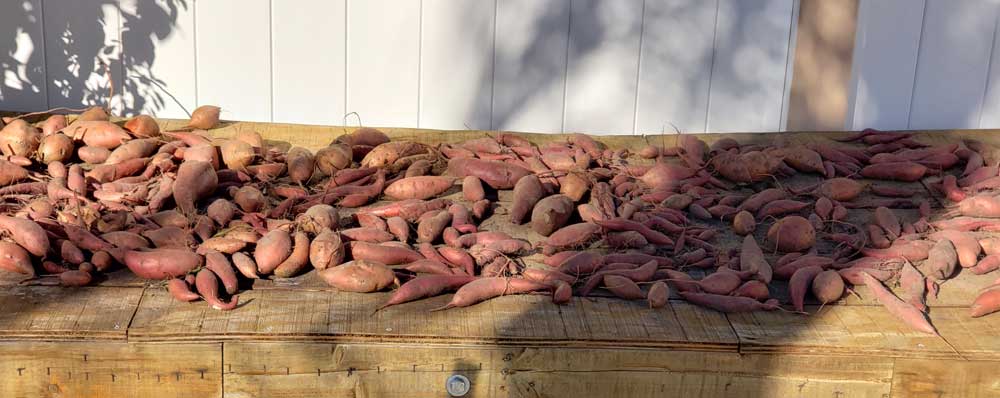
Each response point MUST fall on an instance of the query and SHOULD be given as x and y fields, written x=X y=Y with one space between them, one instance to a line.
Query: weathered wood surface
x=107 y=369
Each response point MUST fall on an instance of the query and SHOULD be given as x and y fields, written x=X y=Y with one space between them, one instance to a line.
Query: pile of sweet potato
x=370 y=214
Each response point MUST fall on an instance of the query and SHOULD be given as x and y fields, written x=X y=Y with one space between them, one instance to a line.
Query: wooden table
x=125 y=337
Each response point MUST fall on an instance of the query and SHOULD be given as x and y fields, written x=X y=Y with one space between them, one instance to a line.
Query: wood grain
x=104 y=369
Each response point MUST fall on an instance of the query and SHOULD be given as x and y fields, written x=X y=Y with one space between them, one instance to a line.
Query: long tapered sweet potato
x=385 y=254
x=483 y=289
x=426 y=286
x=499 y=175
x=297 y=259
x=162 y=263
x=422 y=187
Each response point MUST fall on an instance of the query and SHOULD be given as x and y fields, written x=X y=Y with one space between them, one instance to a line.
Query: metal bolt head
x=458 y=385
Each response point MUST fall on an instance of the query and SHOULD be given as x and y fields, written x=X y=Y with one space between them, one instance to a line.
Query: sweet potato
x=204 y=117
x=486 y=288
x=208 y=287
x=11 y=173
x=272 y=250
x=223 y=269
x=663 y=175
x=14 y=258
x=623 y=287
x=752 y=260
x=982 y=205
x=898 y=171
x=196 y=180
x=759 y=199
x=728 y=304
x=472 y=189
x=162 y=263
x=169 y=237
x=619 y=224
x=571 y=236
x=780 y=207
x=333 y=159
x=181 y=291
x=246 y=265
x=55 y=148
x=249 y=198
x=551 y=213
x=499 y=175
x=840 y=189
x=799 y=284
x=359 y=276
x=386 y=154
x=364 y=136
x=19 y=138
x=792 y=234
x=97 y=133
x=748 y=167
x=905 y=312
x=754 y=289
x=26 y=233
x=423 y=187
x=236 y=154
x=426 y=286
x=987 y=302
x=301 y=164
x=802 y=159
x=419 y=168
x=366 y=234
x=384 y=254
x=408 y=209
x=989 y=263
x=431 y=228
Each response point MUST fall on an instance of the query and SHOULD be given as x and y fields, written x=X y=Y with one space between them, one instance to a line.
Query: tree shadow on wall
x=70 y=54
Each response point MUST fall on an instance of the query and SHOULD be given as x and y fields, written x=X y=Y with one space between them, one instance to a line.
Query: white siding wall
x=601 y=66
x=926 y=64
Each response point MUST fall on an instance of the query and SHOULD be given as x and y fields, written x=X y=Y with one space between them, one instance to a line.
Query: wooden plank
x=953 y=63
x=57 y=313
x=456 y=64
x=748 y=72
x=279 y=314
x=234 y=57
x=885 y=60
x=675 y=65
x=824 y=49
x=841 y=330
x=937 y=378
x=603 y=63
x=309 y=369
x=158 y=50
x=92 y=369
x=346 y=370
x=383 y=61
x=309 y=72
x=76 y=50
x=530 y=65
x=23 y=86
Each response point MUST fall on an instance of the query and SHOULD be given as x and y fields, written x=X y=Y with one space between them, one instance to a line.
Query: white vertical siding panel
x=602 y=77
x=234 y=57
x=158 y=46
x=885 y=59
x=80 y=37
x=22 y=59
x=309 y=39
x=383 y=59
x=748 y=73
x=990 y=118
x=530 y=65
x=952 y=67
x=676 y=65
x=456 y=64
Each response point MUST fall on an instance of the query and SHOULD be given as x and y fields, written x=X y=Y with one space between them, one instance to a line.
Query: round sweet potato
x=551 y=213
x=792 y=234
x=359 y=276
